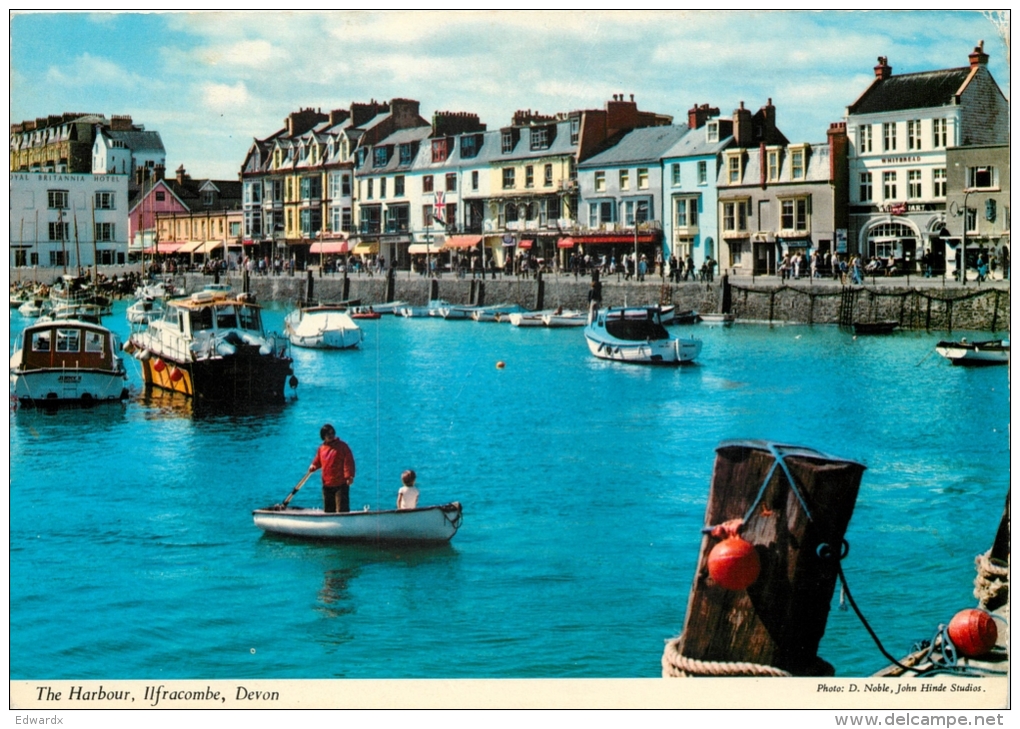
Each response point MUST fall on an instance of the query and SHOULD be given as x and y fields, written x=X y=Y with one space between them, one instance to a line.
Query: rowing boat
x=429 y=524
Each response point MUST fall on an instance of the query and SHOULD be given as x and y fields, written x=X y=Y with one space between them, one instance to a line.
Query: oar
x=296 y=489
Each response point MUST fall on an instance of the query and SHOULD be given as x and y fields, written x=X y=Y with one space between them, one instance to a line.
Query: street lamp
x=963 y=240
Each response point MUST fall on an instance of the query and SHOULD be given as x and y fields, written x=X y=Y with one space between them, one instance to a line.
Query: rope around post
x=991 y=585
x=676 y=665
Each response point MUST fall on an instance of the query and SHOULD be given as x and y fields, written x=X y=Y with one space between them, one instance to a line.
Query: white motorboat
x=322 y=327
x=456 y=312
x=636 y=334
x=529 y=318
x=67 y=362
x=34 y=308
x=143 y=310
x=723 y=320
x=565 y=318
x=430 y=524
x=975 y=354
x=390 y=307
x=415 y=312
x=496 y=312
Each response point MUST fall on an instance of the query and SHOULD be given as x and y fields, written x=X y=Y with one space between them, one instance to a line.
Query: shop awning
x=209 y=246
x=417 y=249
x=527 y=243
x=616 y=238
x=566 y=242
x=329 y=246
x=463 y=241
x=191 y=246
x=366 y=249
x=168 y=247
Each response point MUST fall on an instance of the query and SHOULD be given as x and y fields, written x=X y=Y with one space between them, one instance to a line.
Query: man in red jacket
x=335 y=459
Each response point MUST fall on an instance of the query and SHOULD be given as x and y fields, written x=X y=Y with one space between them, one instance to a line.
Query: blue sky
x=210 y=82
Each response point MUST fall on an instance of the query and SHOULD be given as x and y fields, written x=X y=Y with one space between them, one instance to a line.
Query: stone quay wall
x=927 y=305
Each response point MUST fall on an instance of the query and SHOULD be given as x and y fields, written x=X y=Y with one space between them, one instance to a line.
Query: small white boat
x=975 y=354
x=565 y=318
x=390 y=307
x=529 y=318
x=143 y=310
x=415 y=312
x=67 y=362
x=34 y=307
x=724 y=320
x=456 y=312
x=636 y=334
x=667 y=314
x=430 y=524
x=322 y=327
x=496 y=312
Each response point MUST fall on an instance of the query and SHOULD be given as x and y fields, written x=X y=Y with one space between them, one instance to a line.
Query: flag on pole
x=439 y=208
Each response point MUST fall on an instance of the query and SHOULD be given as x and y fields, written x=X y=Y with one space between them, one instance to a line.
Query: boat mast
x=77 y=246
x=95 y=256
x=63 y=240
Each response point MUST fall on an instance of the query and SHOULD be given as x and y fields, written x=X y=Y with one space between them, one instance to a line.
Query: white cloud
x=222 y=97
x=88 y=69
x=251 y=53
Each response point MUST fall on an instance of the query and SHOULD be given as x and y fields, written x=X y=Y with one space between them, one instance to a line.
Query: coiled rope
x=676 y=665
x=991 y=585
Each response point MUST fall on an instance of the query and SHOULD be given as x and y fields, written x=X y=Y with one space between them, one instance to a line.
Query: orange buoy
x=973 y=632
x=734 y=564
x=159 y=365
x=500 y=365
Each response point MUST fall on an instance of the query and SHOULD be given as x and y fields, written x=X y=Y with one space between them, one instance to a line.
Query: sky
x=210 y=83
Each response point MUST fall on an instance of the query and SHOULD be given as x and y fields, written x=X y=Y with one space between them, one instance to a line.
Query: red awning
x=526 y=243
x=616 y=238
x=462 y=241
x=566 y=242
x=250 y=242
x=168 y=247
x=329 y=246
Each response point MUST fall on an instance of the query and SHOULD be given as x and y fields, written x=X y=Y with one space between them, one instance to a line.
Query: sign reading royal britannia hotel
x=58 y=219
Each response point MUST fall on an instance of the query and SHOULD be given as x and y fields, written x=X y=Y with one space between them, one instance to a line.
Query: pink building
x=154 y=196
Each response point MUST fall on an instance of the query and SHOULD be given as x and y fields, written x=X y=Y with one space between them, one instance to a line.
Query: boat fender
x=293 y=381
x=143 y=354
x=128 y=346
x=734 y=564
x=973 y=632
x=159 y=365
x=225 y=349
x=176 y=375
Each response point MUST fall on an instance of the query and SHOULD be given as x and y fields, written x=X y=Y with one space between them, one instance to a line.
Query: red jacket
x=335 y=459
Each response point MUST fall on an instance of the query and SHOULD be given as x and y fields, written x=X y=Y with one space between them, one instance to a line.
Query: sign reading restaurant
x=57 y=177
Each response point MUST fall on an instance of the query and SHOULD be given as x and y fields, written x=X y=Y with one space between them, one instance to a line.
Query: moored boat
x=724 y=320
x=528 y=318
x=430 y=524
x=143 y=310
x=390 y=307
x=565 y=318
x=67 y=362
x=636 y=334
x=322 y=327
x=975 y=354
x=213 y=347
x=454 y=311
x=34 y=307
x=496 y=312
x=415 y=312
x=875 y=327
x=685 y=317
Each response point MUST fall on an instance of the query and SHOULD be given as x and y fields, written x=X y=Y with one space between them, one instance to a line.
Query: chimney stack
x=883 y=70
x=978 y=57
x=742 y=126
x=159 y=172
x=698 y=115
x=181 y=175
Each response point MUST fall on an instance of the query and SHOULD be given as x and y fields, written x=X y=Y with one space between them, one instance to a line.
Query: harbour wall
x=927 y=306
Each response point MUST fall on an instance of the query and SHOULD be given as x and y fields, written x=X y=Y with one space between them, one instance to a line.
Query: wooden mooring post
x=774 y=626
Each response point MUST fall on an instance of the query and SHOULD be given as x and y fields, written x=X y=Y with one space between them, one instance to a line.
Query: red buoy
x=734 y=564
x=159 y=365
x=973 y=632
x=176 y=375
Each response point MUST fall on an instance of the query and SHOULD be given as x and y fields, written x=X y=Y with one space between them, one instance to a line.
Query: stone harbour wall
x=927 y=306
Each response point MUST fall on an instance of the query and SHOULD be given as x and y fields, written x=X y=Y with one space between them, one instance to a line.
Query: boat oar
x=296 y=489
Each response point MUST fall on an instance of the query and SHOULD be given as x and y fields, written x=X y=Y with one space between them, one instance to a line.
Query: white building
x=59 y=219
x=122 y=151
x=899 y=130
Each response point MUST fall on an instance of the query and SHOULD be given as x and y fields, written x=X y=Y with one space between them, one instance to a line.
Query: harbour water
x=133 y=554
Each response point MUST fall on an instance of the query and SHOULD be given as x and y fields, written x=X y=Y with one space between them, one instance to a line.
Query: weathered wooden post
x=539 y=292
x=725 y=295
x=310 y=288
x=774 y=626
x=391 y=282
x=433 y=289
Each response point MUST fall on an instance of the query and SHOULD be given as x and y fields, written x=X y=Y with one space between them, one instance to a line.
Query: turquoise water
x=133 y=553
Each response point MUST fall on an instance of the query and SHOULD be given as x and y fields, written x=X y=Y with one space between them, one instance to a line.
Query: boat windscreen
x=636 y=330
x=201 y=319
x=226 y=317
x=249 y=318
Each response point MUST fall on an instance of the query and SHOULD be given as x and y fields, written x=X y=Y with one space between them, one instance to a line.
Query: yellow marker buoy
x=500 y=365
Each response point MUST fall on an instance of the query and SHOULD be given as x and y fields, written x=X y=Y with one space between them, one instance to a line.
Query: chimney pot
x=632 y=98
x=978 y=57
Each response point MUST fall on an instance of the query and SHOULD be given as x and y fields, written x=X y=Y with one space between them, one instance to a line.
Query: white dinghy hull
x=427 y=525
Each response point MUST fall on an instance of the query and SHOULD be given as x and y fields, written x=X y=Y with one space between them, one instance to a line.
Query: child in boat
x=407 y=497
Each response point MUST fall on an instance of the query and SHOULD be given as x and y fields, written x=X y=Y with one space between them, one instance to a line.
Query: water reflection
x=162 y=405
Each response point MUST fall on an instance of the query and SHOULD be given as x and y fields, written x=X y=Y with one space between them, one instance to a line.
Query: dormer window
x=362 y=154
x=773 y=165
x=575 y=129
x=440 y=150
x=540 y=138
x=712 y=131
x=798 y=162
x=507 y=140
x=406 y=156
x=469 y=147
x=380 y=156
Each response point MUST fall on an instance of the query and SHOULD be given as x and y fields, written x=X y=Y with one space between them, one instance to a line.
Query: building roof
x=817 y=160
x=695 y=144
x=639 y=145
x=137 y=141
x=912 y=91
x=561 y=145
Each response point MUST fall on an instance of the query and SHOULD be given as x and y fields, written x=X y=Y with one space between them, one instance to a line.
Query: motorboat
x=143 y=310
x=456 y=312
x=212 y=346
x=415 y=312
x=529 y=318
x=496 y=312
x=67 y=362
x=34 y=308
x=73 y=290
x=722 y=320
x=565 y=318
x=364 y=312
x=322 y=327
x=426 y=525
x=390 y=307
x=636 y=334
x=667 y=314
x=685 y=317
x=975 y=354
